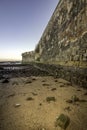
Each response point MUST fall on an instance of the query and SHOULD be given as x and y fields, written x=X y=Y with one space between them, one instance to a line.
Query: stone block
x=62 y=121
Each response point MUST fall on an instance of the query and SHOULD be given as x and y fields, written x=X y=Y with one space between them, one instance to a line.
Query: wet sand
x=24 y=104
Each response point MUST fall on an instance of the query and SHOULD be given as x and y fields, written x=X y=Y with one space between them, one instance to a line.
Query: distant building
x=28 y=57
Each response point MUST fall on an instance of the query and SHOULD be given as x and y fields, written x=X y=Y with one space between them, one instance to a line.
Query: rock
x=45 y=84
x=28 y=81
x=78 y=90
x=69 y=101
x=49 y=99
x=29 y=99
x=74 y=98
x=5 y=81
x=53 y=89
x=33 y=78
x=68 y=84
x=34 y=94
x=43 y=80
x=62 y=85
x=82 y=100
x=40 y=104
x=17 y=105
x=56 y=80
x=11 y=95
x=67 y=109
x=85 y=93
x=62 y=121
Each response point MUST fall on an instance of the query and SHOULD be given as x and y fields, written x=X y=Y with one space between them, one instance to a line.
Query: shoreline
x=32 y=100
x=75 y=75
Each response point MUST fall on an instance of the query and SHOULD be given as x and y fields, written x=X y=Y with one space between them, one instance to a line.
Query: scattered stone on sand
x=69 y=101
x=56 y=80
x=55 y=77
x=33 y=78
x=68 y=84
x=65 y=84
x=62 y=121
x=82 y=100
x=46 y=84
x=17 y=105
x=53 y=89
x=67 y=109
x=29 y=99
x=11 y=95
x=62 y=85
x=49 y=99
x=40 y=104
x=5 y=81
x=28 y=82
x=74 y=98
x=43 y=80
x=85 y=93
x=78 y=89
x=61 y=82
x=34 y=94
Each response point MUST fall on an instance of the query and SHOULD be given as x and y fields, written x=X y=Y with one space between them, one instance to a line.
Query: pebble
x=17 y=105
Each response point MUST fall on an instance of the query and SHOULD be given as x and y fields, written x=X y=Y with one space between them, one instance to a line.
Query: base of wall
x=81 y=64
x=75 y=75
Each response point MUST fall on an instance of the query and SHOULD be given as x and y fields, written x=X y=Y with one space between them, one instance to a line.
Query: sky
x=22 y=23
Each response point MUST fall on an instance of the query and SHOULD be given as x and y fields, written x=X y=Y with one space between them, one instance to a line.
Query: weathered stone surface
x=65 y=38
x=64 y=42
x=62 y=121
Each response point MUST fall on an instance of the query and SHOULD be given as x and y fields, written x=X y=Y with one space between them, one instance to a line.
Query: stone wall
x=64 y=43
x=28 y=57
x=65 y=37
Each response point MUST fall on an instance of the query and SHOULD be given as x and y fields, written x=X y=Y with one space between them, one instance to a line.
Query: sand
x=24 y=105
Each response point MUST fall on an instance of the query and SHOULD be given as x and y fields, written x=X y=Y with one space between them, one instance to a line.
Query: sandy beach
x=34 y=103
x=43 y=65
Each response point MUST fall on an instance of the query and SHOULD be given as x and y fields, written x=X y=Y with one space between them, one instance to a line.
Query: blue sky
x=22 y=23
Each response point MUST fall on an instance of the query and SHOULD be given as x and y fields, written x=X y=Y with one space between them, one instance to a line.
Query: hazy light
x=22 y=23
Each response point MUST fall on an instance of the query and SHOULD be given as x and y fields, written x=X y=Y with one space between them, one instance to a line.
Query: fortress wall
x=64 y=43
x=65 y=37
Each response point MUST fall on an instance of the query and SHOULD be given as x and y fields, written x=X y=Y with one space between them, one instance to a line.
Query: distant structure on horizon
x=28 y=56
x=64 y=40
